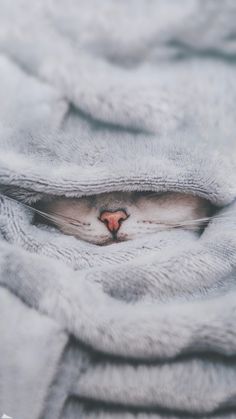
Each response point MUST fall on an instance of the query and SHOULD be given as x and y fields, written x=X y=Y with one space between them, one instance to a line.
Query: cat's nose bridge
x=113 y=219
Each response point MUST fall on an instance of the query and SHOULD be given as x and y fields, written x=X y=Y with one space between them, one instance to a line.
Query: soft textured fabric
x=103 y=96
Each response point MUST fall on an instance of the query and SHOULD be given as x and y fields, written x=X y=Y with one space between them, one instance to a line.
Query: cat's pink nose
x=113 y=219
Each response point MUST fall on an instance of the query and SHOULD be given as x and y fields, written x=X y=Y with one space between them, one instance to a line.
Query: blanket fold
x=103 y=97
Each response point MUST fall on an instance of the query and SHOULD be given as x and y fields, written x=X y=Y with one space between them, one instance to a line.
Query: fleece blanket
x=103 y=96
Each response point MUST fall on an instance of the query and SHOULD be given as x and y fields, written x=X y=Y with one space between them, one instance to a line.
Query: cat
x=119 y=216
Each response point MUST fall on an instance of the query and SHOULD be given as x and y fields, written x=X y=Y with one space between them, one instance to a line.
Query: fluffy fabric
x=108 y=96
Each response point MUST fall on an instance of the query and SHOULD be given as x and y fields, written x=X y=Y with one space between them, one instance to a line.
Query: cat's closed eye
x=113 y=217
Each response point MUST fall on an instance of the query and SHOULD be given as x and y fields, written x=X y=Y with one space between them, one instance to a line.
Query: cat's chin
x=112 y=241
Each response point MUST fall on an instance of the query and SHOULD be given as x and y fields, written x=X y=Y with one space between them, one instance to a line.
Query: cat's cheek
x=127 y=232
x=98 y=234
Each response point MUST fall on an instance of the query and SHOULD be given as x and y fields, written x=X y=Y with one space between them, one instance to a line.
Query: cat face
x=113 y=217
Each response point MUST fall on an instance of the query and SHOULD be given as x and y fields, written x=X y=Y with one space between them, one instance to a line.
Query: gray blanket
x=103 y=96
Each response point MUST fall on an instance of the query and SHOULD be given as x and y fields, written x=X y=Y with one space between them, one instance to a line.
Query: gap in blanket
x=110 y=218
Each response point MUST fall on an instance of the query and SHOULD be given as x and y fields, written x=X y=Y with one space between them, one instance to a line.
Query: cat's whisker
x=224 y=215
x=58 y=220
x=56 y=216
x=74 y=225
x=207 y=219
x=73 y=228
x=189 y=223
x=59 y=216
x=73 y=220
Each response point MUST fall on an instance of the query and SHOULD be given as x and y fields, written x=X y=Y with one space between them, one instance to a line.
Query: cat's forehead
x=120 y=199
x=112 y=199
